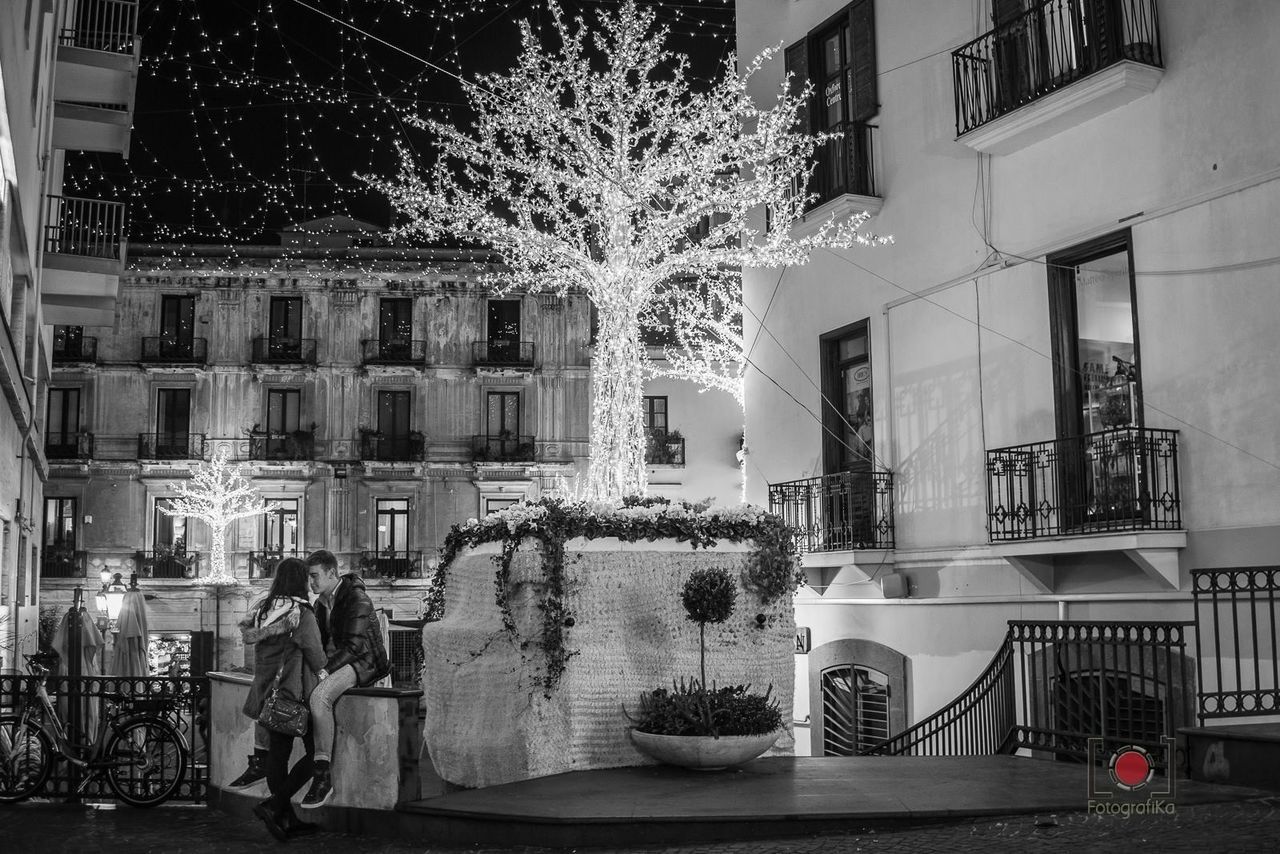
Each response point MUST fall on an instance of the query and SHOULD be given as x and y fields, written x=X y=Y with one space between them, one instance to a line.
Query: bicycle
x=142 y=756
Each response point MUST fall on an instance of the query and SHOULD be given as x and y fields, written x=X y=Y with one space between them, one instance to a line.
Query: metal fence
x=89 y=228
x=500 y=352
x=288 y=351
x=1236 y=635
x=107 y=25
x=396 y=351
x=837 y=512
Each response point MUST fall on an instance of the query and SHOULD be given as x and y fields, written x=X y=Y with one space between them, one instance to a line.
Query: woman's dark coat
x=279 y=641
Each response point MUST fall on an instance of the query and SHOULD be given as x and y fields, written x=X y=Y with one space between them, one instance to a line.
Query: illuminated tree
x=217 y=495
x=595 y=167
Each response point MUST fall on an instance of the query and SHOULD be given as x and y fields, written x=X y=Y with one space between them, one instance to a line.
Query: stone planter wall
x=488 y=718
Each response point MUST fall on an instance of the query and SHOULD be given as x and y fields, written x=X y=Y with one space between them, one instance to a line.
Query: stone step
x=1236 y=755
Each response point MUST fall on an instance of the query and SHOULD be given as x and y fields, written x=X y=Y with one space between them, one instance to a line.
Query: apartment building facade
x=68 y=73
x=1051 y=399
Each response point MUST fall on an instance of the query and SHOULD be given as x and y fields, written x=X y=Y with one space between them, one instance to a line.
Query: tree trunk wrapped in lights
x=593 y=166
x=217 y=495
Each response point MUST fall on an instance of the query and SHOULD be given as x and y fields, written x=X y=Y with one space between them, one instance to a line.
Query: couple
x=320 y=656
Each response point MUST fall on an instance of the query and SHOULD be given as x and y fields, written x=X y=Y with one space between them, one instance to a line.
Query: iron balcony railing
x=62 y=562
x=262 y=564
x=107 y=25
x=411 y=448
x=837 y=512
x=845 y=163
x=87 y=228
x=68 y=446
x=663 y=448
x=1125 y=479
x=1046 y=48
x=171 y=446
x=1078 y=690
x=396 y=351
x=71 y=351
x=499 y=352
x=503 y=449
x=168 y=562
x=294 y=445
x=1237 y=625
x=391 y=563
x=287 y=351
x=166 y=349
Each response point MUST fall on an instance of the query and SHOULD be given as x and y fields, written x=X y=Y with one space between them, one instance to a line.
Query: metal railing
x=503 y=353
x=107 y=25
x=88 y=228
x=845 y=163
x=412 y=448
x=837 y=512
x=166 y=349
x=662 y=448
x=182 y=701
x=76 y=350
x=164 y=562
x=295 y=445
x=59 y=562
x=1125 y=479
x=1236 y=635
x=262 y=564
x=391 y=563
x=398 y=351
x=288 y=351
x=1054 y=686
x=1051 y=45
x=171 y=446
x=503 y=449
x=68 y=446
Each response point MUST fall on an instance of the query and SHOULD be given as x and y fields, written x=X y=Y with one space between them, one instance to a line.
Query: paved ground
x=1242 y=826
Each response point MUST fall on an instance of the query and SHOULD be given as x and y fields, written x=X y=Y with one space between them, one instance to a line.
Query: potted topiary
x=703 y=727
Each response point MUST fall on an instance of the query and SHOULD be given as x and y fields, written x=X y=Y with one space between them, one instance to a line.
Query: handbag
x=284 y=714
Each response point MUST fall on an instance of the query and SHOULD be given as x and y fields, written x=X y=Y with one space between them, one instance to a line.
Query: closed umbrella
x=130 y=657
x=90 y=643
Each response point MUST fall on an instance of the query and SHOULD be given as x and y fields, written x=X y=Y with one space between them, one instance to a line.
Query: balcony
x=95 y=83
x=502 y=449
x=262 y=564
x=837 y=512
x=68 y=446
x=75 y=351
x=62 y=562
x=294 y=445
x=377 y=447
x=395 y=351
x=84 y=252
x=171 y=446
x=391 y=564
x=168 y=350
x=664 y=448
x=284 y=351
x=168 y=562
x=1057 y=65
x=503 y=353
x=1124 y=479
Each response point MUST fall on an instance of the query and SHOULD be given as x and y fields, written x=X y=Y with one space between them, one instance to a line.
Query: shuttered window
x=840 y=58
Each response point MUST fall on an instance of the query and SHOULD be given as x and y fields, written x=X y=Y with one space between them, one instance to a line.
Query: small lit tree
x=595 y=167
x=217 y=495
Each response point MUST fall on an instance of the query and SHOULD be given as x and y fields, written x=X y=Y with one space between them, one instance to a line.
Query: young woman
x=282 y=627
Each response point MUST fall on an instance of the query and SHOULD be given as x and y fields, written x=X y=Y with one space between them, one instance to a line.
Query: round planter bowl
x=703 y=752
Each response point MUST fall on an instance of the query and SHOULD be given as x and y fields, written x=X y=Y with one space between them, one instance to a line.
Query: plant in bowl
x=701 y=725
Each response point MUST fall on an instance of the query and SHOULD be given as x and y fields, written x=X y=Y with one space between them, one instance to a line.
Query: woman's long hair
x=290 y=580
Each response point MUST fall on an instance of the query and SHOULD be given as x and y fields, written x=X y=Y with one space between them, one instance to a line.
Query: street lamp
x=111 y=596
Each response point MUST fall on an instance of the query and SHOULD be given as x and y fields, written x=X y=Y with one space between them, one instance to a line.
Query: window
x=62 y=425
x=284 y=328
x=502 y=416
x=169 y=542
x=493 y=505
x=839 y=57
x=855 y=709
x=395 y=328
x=392 y=535
x=504 y=330
x=280 y=527
x=394 y=440
x=848 y=439
x=173 y=423
x=177 y=326
x=655 y=414
x=662 y=446
x=68 y=342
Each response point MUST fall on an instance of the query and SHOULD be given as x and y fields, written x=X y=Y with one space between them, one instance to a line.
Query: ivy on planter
x=772 y=570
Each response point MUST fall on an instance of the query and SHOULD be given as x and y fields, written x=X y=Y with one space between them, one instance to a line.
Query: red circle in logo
x=1131 y=767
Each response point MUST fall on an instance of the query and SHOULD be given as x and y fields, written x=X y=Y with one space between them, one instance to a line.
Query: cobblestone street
x=1246 y=826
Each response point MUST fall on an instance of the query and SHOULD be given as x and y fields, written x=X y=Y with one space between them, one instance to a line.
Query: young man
x=356 y=657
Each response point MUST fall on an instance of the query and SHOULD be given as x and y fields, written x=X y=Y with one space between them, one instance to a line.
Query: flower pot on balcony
x=703 y=752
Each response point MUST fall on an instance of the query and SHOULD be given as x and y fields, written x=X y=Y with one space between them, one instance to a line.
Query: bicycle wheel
x=144 y=760
x=26 y=758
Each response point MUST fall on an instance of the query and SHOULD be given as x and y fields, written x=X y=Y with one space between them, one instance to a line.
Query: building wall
x=960 y=323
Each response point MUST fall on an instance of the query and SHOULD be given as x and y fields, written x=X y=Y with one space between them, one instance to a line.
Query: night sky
x=256 y=114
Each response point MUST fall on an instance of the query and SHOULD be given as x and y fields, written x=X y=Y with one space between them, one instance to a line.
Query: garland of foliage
x=773 y=569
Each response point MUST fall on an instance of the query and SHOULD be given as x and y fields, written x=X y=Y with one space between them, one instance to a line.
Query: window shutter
x=797 y=62
x=864 y=98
